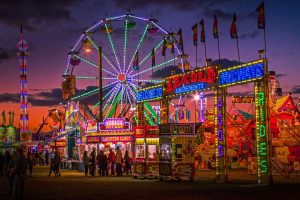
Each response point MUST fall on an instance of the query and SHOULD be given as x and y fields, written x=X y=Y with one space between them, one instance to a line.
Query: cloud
x=166 y=71
x=295 y=89
x=225 y=62
x=32 y=13
x=251 y=35
x=6 y=54
x=280 y=75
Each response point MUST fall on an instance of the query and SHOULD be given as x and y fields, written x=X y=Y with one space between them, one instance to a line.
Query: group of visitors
x=112 y=162
x=16 y=166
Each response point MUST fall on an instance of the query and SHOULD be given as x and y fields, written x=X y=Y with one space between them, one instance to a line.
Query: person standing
x=47 y=157
x=10 y=168
x=7 y=158
x=86 y=162
x=93 y=162
x=57 y=160
x=102 y=163
x=20 y=172
x=112 y=161
x=127 y=162
x=52 y=165
x=1 y=164
x=30 y=163
x=119 y=162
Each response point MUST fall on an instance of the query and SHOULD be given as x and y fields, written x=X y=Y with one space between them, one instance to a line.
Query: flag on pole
x=153 y=57
x=261 y=16
x=172 y=48
x=195 y=34
x=180 y=44
x=202 y=34
x=215 y=28
x=136 y=61
x=164 y=47
x=233 y=30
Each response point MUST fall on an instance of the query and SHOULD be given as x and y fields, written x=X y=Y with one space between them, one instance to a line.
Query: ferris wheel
x=135 y=52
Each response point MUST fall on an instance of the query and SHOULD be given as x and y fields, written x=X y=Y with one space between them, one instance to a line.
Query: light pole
x=196 y=98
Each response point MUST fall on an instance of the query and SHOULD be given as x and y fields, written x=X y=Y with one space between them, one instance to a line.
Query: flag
x=261 y=16
x=233 y=31
x=164 y=47
x=215 y=28
x=180 y=44
x=153 y=57
x=195 y=34
x=202 y=34
x=135 y=63
x=172 y=48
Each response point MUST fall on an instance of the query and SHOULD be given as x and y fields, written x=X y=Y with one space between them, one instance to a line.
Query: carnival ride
x=116 y=73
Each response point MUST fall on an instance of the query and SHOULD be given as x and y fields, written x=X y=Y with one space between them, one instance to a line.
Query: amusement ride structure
x=123 y=52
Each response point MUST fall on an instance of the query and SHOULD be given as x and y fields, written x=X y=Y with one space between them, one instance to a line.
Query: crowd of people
x=111 y=164
x=16 y=166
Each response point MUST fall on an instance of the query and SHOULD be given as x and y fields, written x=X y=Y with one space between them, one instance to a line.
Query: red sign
x=116 y=139
x=93 y=139
x=205 y=75
x=152 y=131
x=139 y=131
x=58 y=143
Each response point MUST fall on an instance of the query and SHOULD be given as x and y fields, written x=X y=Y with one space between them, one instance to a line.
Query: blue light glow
x=190 y=88
x=241 y=74
x=152 y=93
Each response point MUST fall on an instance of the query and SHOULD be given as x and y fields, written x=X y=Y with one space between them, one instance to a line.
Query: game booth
x=146 y=152
x=176 y=155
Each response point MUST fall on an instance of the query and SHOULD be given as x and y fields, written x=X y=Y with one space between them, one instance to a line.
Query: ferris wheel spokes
x=112 y=46
x=156 y=66
x=138 y=46
x=125 y=44
x=116 y=89
x=113 y=103
x=103 y=98
x=103 y=53
x=94 y=64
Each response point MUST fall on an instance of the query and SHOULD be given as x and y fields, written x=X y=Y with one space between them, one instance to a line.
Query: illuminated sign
x=92 y=139
x=176 y=129
x=116 y=138
x=195 y=80
x=139 y=131
x=10 y=134
x=241 y=74
x=114 y=124
x=152 y=131
x=150 y=93
x=58 y=143
x=238 y=99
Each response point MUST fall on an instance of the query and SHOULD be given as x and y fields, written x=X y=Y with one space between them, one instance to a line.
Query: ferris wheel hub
x=121 y=77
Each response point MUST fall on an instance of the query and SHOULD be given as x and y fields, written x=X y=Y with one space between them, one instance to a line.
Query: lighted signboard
x=195 y=80
x=241 y=74
x=239 y=99
x=176 y=129
x=139 y=131
x=93 y=139
x=114 y=124
x=10 y=134
x=116 y=138
x=2 y=133
x=58 y=143
x=152 y=131
x=150 y=93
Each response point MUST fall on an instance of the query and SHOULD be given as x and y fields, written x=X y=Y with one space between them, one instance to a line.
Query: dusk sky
x=51 y=27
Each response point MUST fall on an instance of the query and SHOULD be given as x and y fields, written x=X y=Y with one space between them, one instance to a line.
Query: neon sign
x=241 y=74
x=114 y=124
x=150 y=93
x=239 y=99
x=92 y=139
x=199 y=79
x=116 y=139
